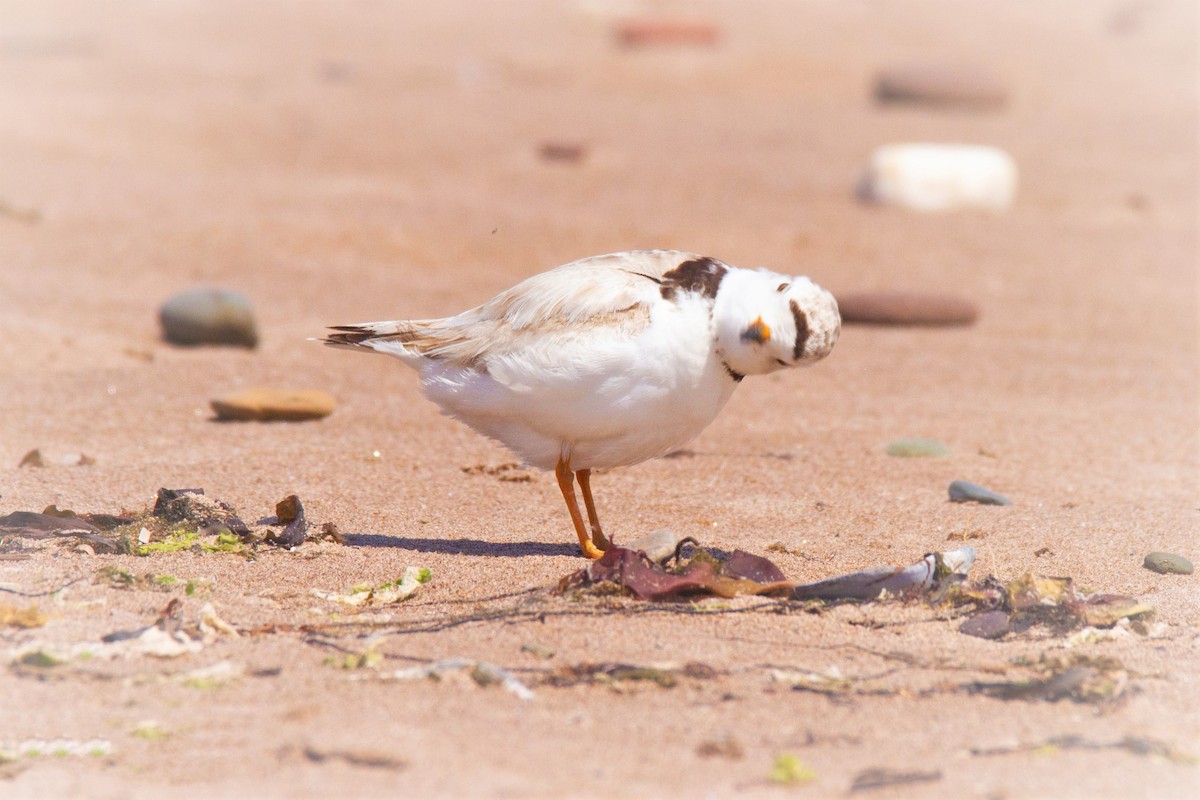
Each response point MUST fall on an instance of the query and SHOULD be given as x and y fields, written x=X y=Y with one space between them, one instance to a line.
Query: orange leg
x=566 y=484
x=585 y=486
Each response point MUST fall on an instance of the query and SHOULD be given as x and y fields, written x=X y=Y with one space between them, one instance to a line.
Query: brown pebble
x=642 y=32
x=906 y=308
x=564 y=152
x=940 y=85
x=290 y=405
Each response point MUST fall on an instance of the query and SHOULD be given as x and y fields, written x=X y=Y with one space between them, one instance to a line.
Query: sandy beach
x=338 y=162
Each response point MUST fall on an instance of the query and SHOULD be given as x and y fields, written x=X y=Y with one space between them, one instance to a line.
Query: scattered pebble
x=265 y=405
x=917 y=448
x=33 y=458
x=940 y=177
x=941 y=86
x=643 y=32
x=906 y=308
x=1168 y=564
x=988 y=625
x=965 y=492
x=562 y=152
x=209 y=316
x=657 y=545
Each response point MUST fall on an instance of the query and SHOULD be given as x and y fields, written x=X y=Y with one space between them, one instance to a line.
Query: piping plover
x=608 y=361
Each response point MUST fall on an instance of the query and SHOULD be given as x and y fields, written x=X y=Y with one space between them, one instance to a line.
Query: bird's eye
x=782 y=287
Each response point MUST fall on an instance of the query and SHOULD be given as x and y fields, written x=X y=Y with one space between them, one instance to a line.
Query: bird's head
x=766 y=321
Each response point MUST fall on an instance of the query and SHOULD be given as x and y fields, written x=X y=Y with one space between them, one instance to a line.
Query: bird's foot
x=590 y=550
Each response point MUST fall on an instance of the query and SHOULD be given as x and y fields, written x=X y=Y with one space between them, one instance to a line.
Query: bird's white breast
x=610 y=395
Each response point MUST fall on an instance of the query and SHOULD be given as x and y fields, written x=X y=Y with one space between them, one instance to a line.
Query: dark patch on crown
x=801 y=329
x=701 y=275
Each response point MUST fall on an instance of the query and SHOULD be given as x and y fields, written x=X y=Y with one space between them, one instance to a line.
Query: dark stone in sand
x=987 y=625
x=941 y=86
x=209 y=316
x=966 y=492
x=1168 y=564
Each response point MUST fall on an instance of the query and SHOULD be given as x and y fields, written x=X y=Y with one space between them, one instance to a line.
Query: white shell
x=941 y=177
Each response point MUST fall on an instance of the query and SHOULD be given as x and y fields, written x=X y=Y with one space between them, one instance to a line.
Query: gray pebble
x=987 y=625
x=966 y=492
x=657 y=545
x=917 y=448
x=209 y=316
x=1168 y=564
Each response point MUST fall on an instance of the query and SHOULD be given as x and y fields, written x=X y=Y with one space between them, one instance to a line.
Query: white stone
x=941 y=177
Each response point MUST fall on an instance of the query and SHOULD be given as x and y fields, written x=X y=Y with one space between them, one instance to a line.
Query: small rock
x=84 y=549
x=965 y=492
x=643 y=32
x=291 y=405
x=987 y=625
x=209 y=316
x=906 y=308
x=562 y=152
x=33 y=458
x=940 y=177
x=917 y=448
x=1168 y=564
x=941 y=86
x=657 y=545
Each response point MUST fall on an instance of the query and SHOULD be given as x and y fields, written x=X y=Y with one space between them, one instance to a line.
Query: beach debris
x=906 y=308
x=57 y=748
x=744 y=573
x=209 y=316
x=657 y=545
x=1135 y=745
x=932 y=177
x=481 y=672
x=1037 y=600
x=931 y=573
x=510 y=472
x=355 y=758
x=150 y=730
x=1167 y=564
x=211 y=624
x=213 y=676
x=724 y=746
x=701 y=574
x=31 y=525
x=1081 y=680
x=666 y=31
x=880 y=777
x=385 y=594
x=789 y=770
x=180 y=519
x=829 y=682
x=965 y=492
x=13 y=617
x=289 y=512
x=538 y=650
x=264 y=404
x=917 y=448
x=943 y=86
x=612 y=674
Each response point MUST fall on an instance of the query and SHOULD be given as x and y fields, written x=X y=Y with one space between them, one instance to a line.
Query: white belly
x=604 y=396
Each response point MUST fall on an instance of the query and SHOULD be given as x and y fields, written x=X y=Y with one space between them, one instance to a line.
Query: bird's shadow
x=478 y=547
x=463 y=547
